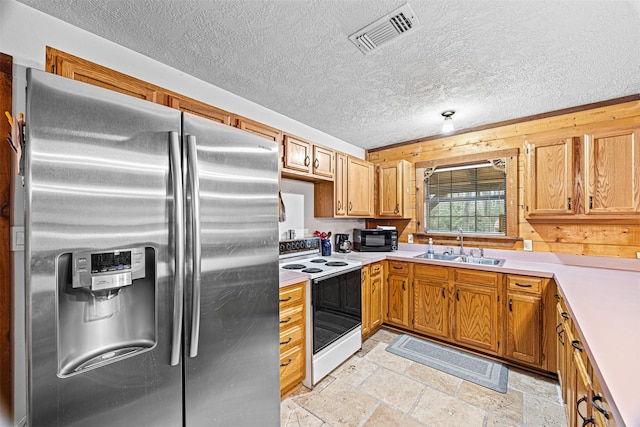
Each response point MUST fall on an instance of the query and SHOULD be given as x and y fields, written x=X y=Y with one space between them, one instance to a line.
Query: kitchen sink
x=463 y=259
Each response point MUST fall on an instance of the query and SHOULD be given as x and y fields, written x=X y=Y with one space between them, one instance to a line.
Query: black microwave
x=375 y=240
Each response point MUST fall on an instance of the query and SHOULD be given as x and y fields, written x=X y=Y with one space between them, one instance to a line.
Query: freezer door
x=232 y=332
x=99 y=193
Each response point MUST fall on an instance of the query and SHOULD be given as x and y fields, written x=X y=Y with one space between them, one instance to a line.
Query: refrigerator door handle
x=192 y=159
x=178 y=231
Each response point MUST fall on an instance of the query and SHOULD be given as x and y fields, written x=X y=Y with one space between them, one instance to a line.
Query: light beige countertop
x=602 y=295
x=291 y=278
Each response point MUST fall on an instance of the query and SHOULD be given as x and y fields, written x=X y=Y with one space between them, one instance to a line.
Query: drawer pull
x=373 y=287
x=575 y=345
x=510 y=304
x=286 y=321
x=286 y=299
x=286 y=342
x=560 y=337
x=524 y=285
x=564 y=315
x=403 y=286
x=458 y=295
x=557 y=296
x=598 y=398
x=398 y=267
x=286 y=363
x=585 y=421
x=443 y=295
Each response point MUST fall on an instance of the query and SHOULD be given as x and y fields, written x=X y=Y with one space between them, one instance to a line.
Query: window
x=477 y=193
x=471 y=197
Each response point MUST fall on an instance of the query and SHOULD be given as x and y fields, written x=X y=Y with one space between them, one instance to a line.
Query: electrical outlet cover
x=528 y=245
x=410 y=238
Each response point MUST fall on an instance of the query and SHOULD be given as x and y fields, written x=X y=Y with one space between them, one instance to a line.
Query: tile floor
x=375 y=388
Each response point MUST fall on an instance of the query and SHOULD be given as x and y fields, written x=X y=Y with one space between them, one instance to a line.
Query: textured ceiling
x=490 y=60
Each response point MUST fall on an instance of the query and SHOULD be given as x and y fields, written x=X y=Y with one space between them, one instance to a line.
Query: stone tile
x=509 y=404
x=495 y=420
x=302 y=398
x=438 y=409
x=355 y=370
x=542 y=413
x=341 y=405
x=385 y=416
x=367 y=346
x=293 y=415
x=384 y=335
x=390 y=387
x=434 y=378
x=389 y=360
x=527 y=382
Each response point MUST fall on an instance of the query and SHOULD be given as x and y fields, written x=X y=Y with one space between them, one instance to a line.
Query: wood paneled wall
x=597 y=237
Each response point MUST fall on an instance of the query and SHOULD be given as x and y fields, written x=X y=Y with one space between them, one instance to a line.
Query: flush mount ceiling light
x=447 y=126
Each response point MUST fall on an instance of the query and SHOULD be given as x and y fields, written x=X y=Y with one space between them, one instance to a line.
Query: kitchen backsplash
x=300 y=194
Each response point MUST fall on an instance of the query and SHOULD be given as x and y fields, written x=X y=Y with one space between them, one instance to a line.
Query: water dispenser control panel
x=105 y=270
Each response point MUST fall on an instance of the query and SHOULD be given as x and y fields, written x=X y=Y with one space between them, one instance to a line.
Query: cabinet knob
x=397 y=210
x=316 y=163
x=307 y=161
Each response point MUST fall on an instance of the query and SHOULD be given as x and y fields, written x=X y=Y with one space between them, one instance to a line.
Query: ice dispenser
x=107 y=307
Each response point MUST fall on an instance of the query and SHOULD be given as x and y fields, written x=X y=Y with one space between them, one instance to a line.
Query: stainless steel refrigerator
x=152 y=264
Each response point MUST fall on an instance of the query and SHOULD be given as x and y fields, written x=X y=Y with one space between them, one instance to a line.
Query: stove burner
x=312 y=270
x=336 y=264
x=293 y=266
x=319 y=260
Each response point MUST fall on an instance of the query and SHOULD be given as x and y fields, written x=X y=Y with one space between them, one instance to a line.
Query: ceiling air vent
x=385 y=29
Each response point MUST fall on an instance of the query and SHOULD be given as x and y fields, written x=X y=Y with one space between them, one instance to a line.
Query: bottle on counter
x=326 y=247
x=430 y=248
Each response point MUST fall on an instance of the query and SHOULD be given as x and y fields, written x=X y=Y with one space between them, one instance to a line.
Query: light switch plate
x=410 y=238
x=528 y=245
x=638 y=255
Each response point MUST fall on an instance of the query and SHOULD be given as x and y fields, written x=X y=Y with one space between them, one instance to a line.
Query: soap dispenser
x=430 y=248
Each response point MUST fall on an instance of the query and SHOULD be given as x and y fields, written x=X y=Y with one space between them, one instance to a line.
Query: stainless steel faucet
x=461 y=238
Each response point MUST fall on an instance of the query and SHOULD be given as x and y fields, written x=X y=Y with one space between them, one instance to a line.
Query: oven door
x=337 y=307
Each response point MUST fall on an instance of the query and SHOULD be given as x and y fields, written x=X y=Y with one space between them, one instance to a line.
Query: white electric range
x=336 y=303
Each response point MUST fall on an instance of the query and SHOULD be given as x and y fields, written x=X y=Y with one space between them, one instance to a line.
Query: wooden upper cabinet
x=201 y=109
x=259 y=129
x=612 y=172
x=340 y=185
x=66 y=65
x=313 y=161
x=297 y=154
x=550 y=176
x=323 y=161
x=359 y=188
x=394 y=190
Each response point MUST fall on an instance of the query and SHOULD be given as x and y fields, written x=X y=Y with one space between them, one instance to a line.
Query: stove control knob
x=288 y=246
x=281 y=247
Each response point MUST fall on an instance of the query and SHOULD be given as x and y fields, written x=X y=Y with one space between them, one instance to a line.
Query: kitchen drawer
x=293 y=294
x=524 y=284
x=292 y=367
x=291 y=315
x=432 y=271
x=291 y=335
x=376 y=269
x=398 y=267
x=476 y=277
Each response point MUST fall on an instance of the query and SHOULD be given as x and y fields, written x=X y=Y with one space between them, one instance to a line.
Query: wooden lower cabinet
x=292 y=336
x=583 y=397
x=476 y=308
x=431 y=296
x=398 y=286
x=371 y=298
x=524 y=319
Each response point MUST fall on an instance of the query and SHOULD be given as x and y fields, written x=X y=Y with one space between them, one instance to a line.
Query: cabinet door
x=375 y=312
x=398 y=300
x=550 y=172
x=323 y=161
x=66 y=65
x=612 y=172
x=476 y=316
x=524 y=328
x=394 y=190
x=297 y=154
x=340 y=185
x=359 y=188
x=366 y=301
x=259 y=129
x=200 y=109
x=431 y=307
